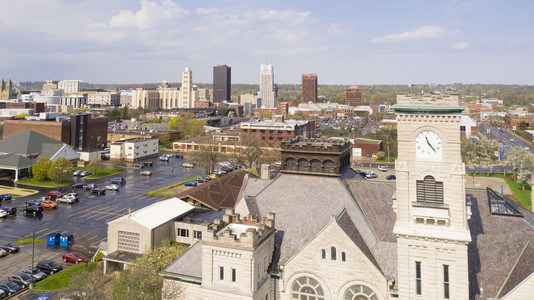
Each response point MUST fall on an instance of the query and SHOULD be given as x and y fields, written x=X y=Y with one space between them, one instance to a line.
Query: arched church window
x=360 y=292
x=333 y=253
x=323 y=254
x=291 y=164
x=307 y=288
x=343 y=256
x=304 y=165
x=329 y=167
x=429 y=190
x=315 y=166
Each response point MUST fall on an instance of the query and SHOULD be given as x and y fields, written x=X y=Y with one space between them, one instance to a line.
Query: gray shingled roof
x=523 y=267
x=188 y=264
x=13 y=150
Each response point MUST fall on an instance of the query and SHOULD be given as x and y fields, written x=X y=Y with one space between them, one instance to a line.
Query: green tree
x=141 y=279
x=196 y=128
x=527 y=169
x=164 y=138
x=124 y=113
x=21 y=116
x=114 y=114
x=40 y=168
x=95 y=166
x=513 y=158
x=61 y=168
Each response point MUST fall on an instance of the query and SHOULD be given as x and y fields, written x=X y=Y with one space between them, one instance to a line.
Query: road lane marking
x=37 y=232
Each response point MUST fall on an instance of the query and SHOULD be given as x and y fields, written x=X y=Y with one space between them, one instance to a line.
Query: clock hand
x=428 y=142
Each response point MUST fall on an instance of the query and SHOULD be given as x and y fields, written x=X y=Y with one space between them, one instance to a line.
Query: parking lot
x=87 y=218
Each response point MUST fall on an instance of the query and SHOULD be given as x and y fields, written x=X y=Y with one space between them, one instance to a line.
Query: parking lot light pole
x=32 y=156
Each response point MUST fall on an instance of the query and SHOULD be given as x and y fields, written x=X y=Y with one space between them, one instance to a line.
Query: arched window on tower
x=333 y=253
x=323 y=254
x=429 y=190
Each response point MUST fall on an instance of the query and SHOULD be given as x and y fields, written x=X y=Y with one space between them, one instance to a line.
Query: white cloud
x=424 y=32
x=461 y=46
x=516 y=42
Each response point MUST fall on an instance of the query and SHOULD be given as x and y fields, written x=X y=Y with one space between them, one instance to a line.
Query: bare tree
x=251 y=151
x=207 y=157
x=90 y=283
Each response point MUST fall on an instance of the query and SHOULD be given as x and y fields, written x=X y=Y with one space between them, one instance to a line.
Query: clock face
x=428 y=145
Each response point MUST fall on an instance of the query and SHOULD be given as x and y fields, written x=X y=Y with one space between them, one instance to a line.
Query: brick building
x=37 y=107
x=353 y=96
x=272 y=133
x=309 y=87
x=82 y=131
x=515 y=120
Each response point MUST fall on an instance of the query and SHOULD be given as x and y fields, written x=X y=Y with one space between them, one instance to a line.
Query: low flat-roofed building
x=134 y=149
x=272 y=132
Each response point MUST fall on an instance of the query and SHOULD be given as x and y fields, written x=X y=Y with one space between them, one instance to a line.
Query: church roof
x=522 y=269
x=188 y=264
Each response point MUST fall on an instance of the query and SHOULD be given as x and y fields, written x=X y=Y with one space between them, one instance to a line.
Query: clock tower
x=431 y=225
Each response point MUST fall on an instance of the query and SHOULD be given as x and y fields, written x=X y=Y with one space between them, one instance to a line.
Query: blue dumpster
x=52 y=239
x=66 y=240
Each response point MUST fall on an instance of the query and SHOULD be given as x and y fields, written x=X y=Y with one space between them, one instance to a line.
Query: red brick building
x=82 y=131
x=353 y=96
x=37 y=107
x=309 y=87
x=515 y=120
x=364 y=147
x=272 y=133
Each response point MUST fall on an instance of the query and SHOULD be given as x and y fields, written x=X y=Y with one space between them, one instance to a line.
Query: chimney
x=265 y=171
x=278 y=118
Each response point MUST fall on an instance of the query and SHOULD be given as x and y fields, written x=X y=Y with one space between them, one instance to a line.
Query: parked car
x=148 y=164
x=3 y=213
x=43 y=198
x=75 y=195
x=85 y=173
x=179 y=155
x=164 y=158
x=33 y=210
x=190 y=183
x=89 y=186
x=10 y=210
x=104 y=157
x=226 y=169
x=383 y=168
x=117 y=180
x=36 y=273
x=371 y=175
x=5 y=197
x=73 y=257
x=34 y=202
x=139 y=166
x=49 y=203
x=54 y=194
x=66 y=199
x=201 y=180
x=79 y=185
x=49 y=266
x=2 y=254
x=219 y=172
x=22 y=279
x=9 y=287
x=77 y=173
x=391 y=177
x=98 y=191
x=112 y=187
x=9 y=247
x=188 y=165
x=145 y=173
x=2 y=294
x=212 y=176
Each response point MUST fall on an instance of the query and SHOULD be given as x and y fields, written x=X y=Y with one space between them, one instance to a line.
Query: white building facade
x=72 y=86
x=267 y=91
x=134 y=149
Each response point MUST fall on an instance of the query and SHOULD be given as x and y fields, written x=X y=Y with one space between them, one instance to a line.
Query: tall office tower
x=222 y=83
x=353 y=96
x=309 y=87
x=186 y=99
x=72 y=86
x=267 y=91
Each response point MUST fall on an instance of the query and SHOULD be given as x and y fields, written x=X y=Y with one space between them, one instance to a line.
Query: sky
x=343 y=41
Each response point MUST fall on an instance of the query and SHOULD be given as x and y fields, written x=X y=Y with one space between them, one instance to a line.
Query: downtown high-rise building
x=309 y=87
x=222 y=83
x=267 y=90
x=353 y=96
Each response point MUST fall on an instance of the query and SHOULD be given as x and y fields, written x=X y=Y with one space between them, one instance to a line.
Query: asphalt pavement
x=87 y=219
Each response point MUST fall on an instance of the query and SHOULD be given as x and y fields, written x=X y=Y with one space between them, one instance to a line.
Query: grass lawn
x=29 y=241
x=101 y=172
x=7 y=187
x=61 y=279
x=46 y=183
x=522 y=196
x=163 y=192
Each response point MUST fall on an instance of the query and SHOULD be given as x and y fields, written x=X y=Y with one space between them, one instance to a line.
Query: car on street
x=98 y=191
x=139 y=166
x=54 y=194
x=85 y=173
x=2 y=294
x=9 y=287
x=179 y=155
x=104 y=157
x=89 y=186
x=145 y=173
x=33 y=210
x=2 y=254
x=201 y=180
x=117 y=180
x=226 y=169
x=36 y=273
x=22 y=279
x=34 y=202
x=66 y=199
x=383 y=168
x=10 y=210
x=188 y=165
x=77 y=173
x=79 y=185
x=219 y=172
x=212 y=176
x=391 y=177
x=148 y=164
x=190 y=183
x=9 y=247
x=73 y=257
x=371 y=174
x=3 y=213
x=49 y=266
x=75 y=195
x=164 y=158
x=112 y=187
x=50 y=204
x=6 y=197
